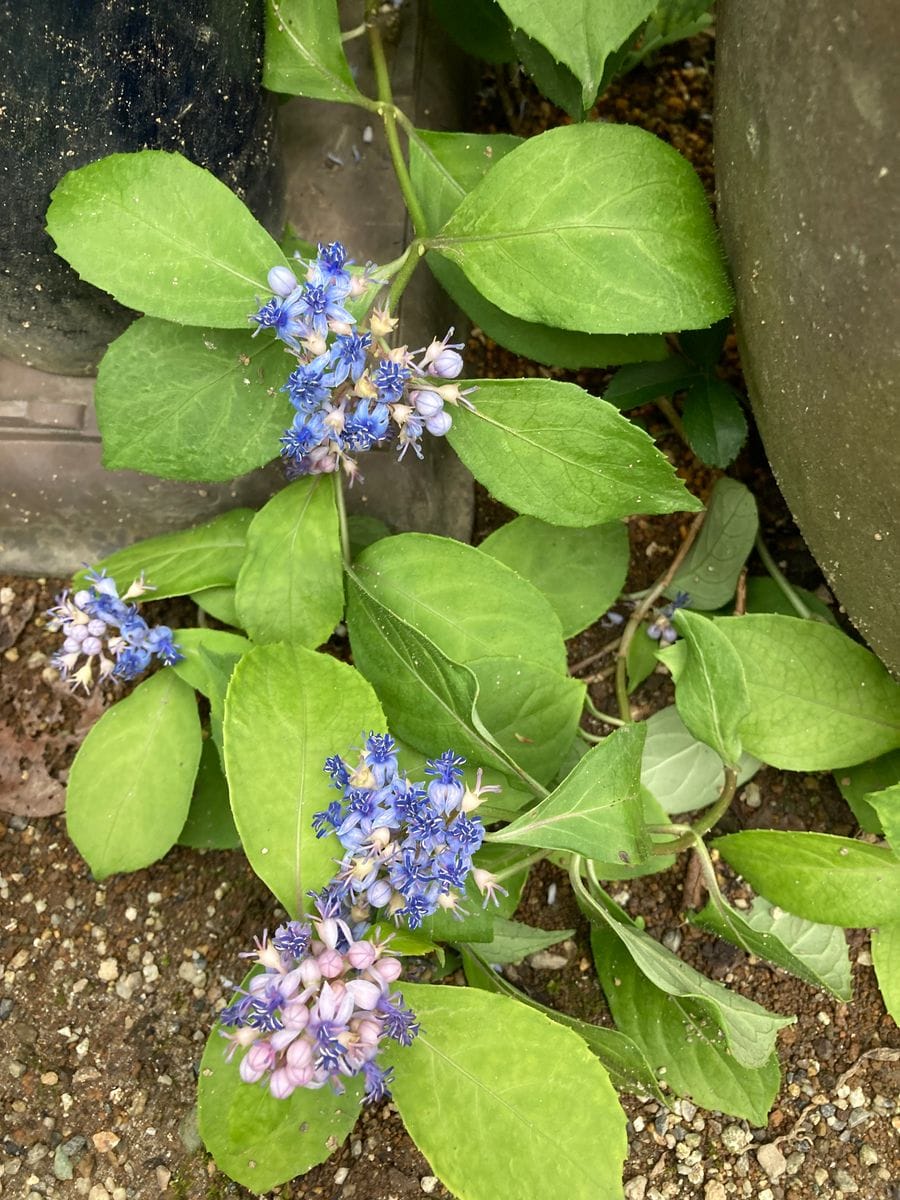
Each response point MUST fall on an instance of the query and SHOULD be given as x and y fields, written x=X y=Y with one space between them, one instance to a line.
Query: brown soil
x=109 y=989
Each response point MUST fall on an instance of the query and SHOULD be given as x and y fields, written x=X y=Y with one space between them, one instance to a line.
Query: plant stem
x=592 y=658
x=772 y=567
x=712 y=816
x=342 y=518
x=401 y=279
x=521 y=865
x=641 y=611
x=600 y=716
x=592 y=738
x=388 y=113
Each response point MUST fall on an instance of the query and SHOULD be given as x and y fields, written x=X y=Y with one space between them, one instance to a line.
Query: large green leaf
x=765 y=596
x=488 y=1072
x=596 y=810
x=624 y=1061
x=580 y=571
x=711 y=692
x=815 y=953
x=218 y=602
x=257 y=1140
x=682 y=773
x=681 y=1038
x=130 y=785
x=444 y=167
x=304 y=53
x=478 y=26
x=208 y=555
x=467 y=602
x=189 y=403
x=163 y=236
x=550 y=450
x=886 y=960
x=600 y=228
x=710 y=571
x=817 y=699
x=833 y=880
x=291 y=584
x=287 y=710
x=856 y=782
x=209 y=824
x=581 y=34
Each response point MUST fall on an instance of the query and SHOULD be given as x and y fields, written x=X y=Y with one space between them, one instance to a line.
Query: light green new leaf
x=218 y=602
x=550 y=450
x=257 y=1140
x=443 y=168
x=711 y=692
x=513 y=941
x=596 y=811
x=886 y=960
x=710 y=571
x=580 y=571
x=291 y=584
x=194 y=404
x=748 y=1030
x=886 y=804
x=833 y=880
x=287 y=710
x=817 y=699
x=856 y=782
x=486 y=1091
x=201 y=670
x=814 y=953
x=163 y=236
x=208 y=555
x=624 y=1061
x=599 y=228
x=581 y=34
x=682 y=773
x=304 y=54
x=130 y=785
x=679 y=1034
x=209 y=824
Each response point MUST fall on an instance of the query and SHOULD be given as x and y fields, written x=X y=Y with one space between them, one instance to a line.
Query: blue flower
x=390 y=379
x=305 y=386
x=319 y=304
x=366 y=426
x=348 y=356
x=329 y=268
x=305 y=433
x=661 y=629
x=283 y=315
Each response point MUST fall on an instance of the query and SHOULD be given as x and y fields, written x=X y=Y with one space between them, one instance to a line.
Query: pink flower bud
x=331 y=964
x=361 y=955
x=388 y=969
x=309 y=972
x=295 y=1015
x=299 y=1054
x=258 y=1059
x=281 y=1085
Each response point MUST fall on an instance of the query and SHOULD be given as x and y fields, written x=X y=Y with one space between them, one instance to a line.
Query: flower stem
x=342 y=518
x=596 y=713
x=772 y=567
x=712 y=816
x=401 y=279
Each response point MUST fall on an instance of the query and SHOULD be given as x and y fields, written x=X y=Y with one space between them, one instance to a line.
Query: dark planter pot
x=809 y=202
x=92 y=77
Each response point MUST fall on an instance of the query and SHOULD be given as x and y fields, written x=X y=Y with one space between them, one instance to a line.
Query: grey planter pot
x=807 y=95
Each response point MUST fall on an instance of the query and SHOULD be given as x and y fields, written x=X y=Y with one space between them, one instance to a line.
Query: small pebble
x=845 y=1181
x=551 y=894
x=545 y=961
x=105 y=1140
x=340 y=1175
x=62 y=1164
x=108 y=970
x=715 y=1190
x=49 y=1078
x=671 y=939
x=771 y=1160
x=734 y=1139
x=636 y=1188
x=750 y=796
x=867 y=1156
x=428 y=1183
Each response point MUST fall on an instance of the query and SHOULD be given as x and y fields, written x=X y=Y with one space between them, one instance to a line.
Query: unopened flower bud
x=280 y=1084
x=331 y=963
x=388 y=969
x=428 y=403
x=439 y=424
x=447 y=365
x=361 y=955
x=380 y=894
x=282 y=281
x=382 y=323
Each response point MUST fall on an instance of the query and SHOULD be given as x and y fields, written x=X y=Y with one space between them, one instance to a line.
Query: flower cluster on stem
x=350 y=390
x=105 y=634
x=661 y=628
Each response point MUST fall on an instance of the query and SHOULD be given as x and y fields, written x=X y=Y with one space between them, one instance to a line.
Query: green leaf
x=654 y=814
x=704 y=346
x=600 y=228
x=886 y=960
x=682 y=773
x=833 y=880
x=304 y=53
x=712 y=566
x=644 y=382
x=550 y=450
x=553 y=79
x=485 y=1072
x=814 y=953
x=513 y=941
x=817 y=699
x=200 y=670
x=765 y=596
x=291 y=584
x=856 y=782
x=640 y=659
x=714 y=421
x=190 y=404
x=219 y=603
x=163 y=236
x=364 y=531
x=257 y=1140
x=476 y=926
x=680 y=1034
x=208 y=555
x=580 y=571
x=748 y=1030
x=478 y=27
x=582 y=34
x=466 y=601
x=711 y=693
x=624 y=1061
x=209 y=824
x=596 y=811
x=130 y=785
x=886 y=804
x=443 y=168
x=287 y=710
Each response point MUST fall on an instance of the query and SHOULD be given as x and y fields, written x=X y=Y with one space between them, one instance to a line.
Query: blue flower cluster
x=661 y=628
x=108 y=632
x=350 y=390
x=408 y=847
